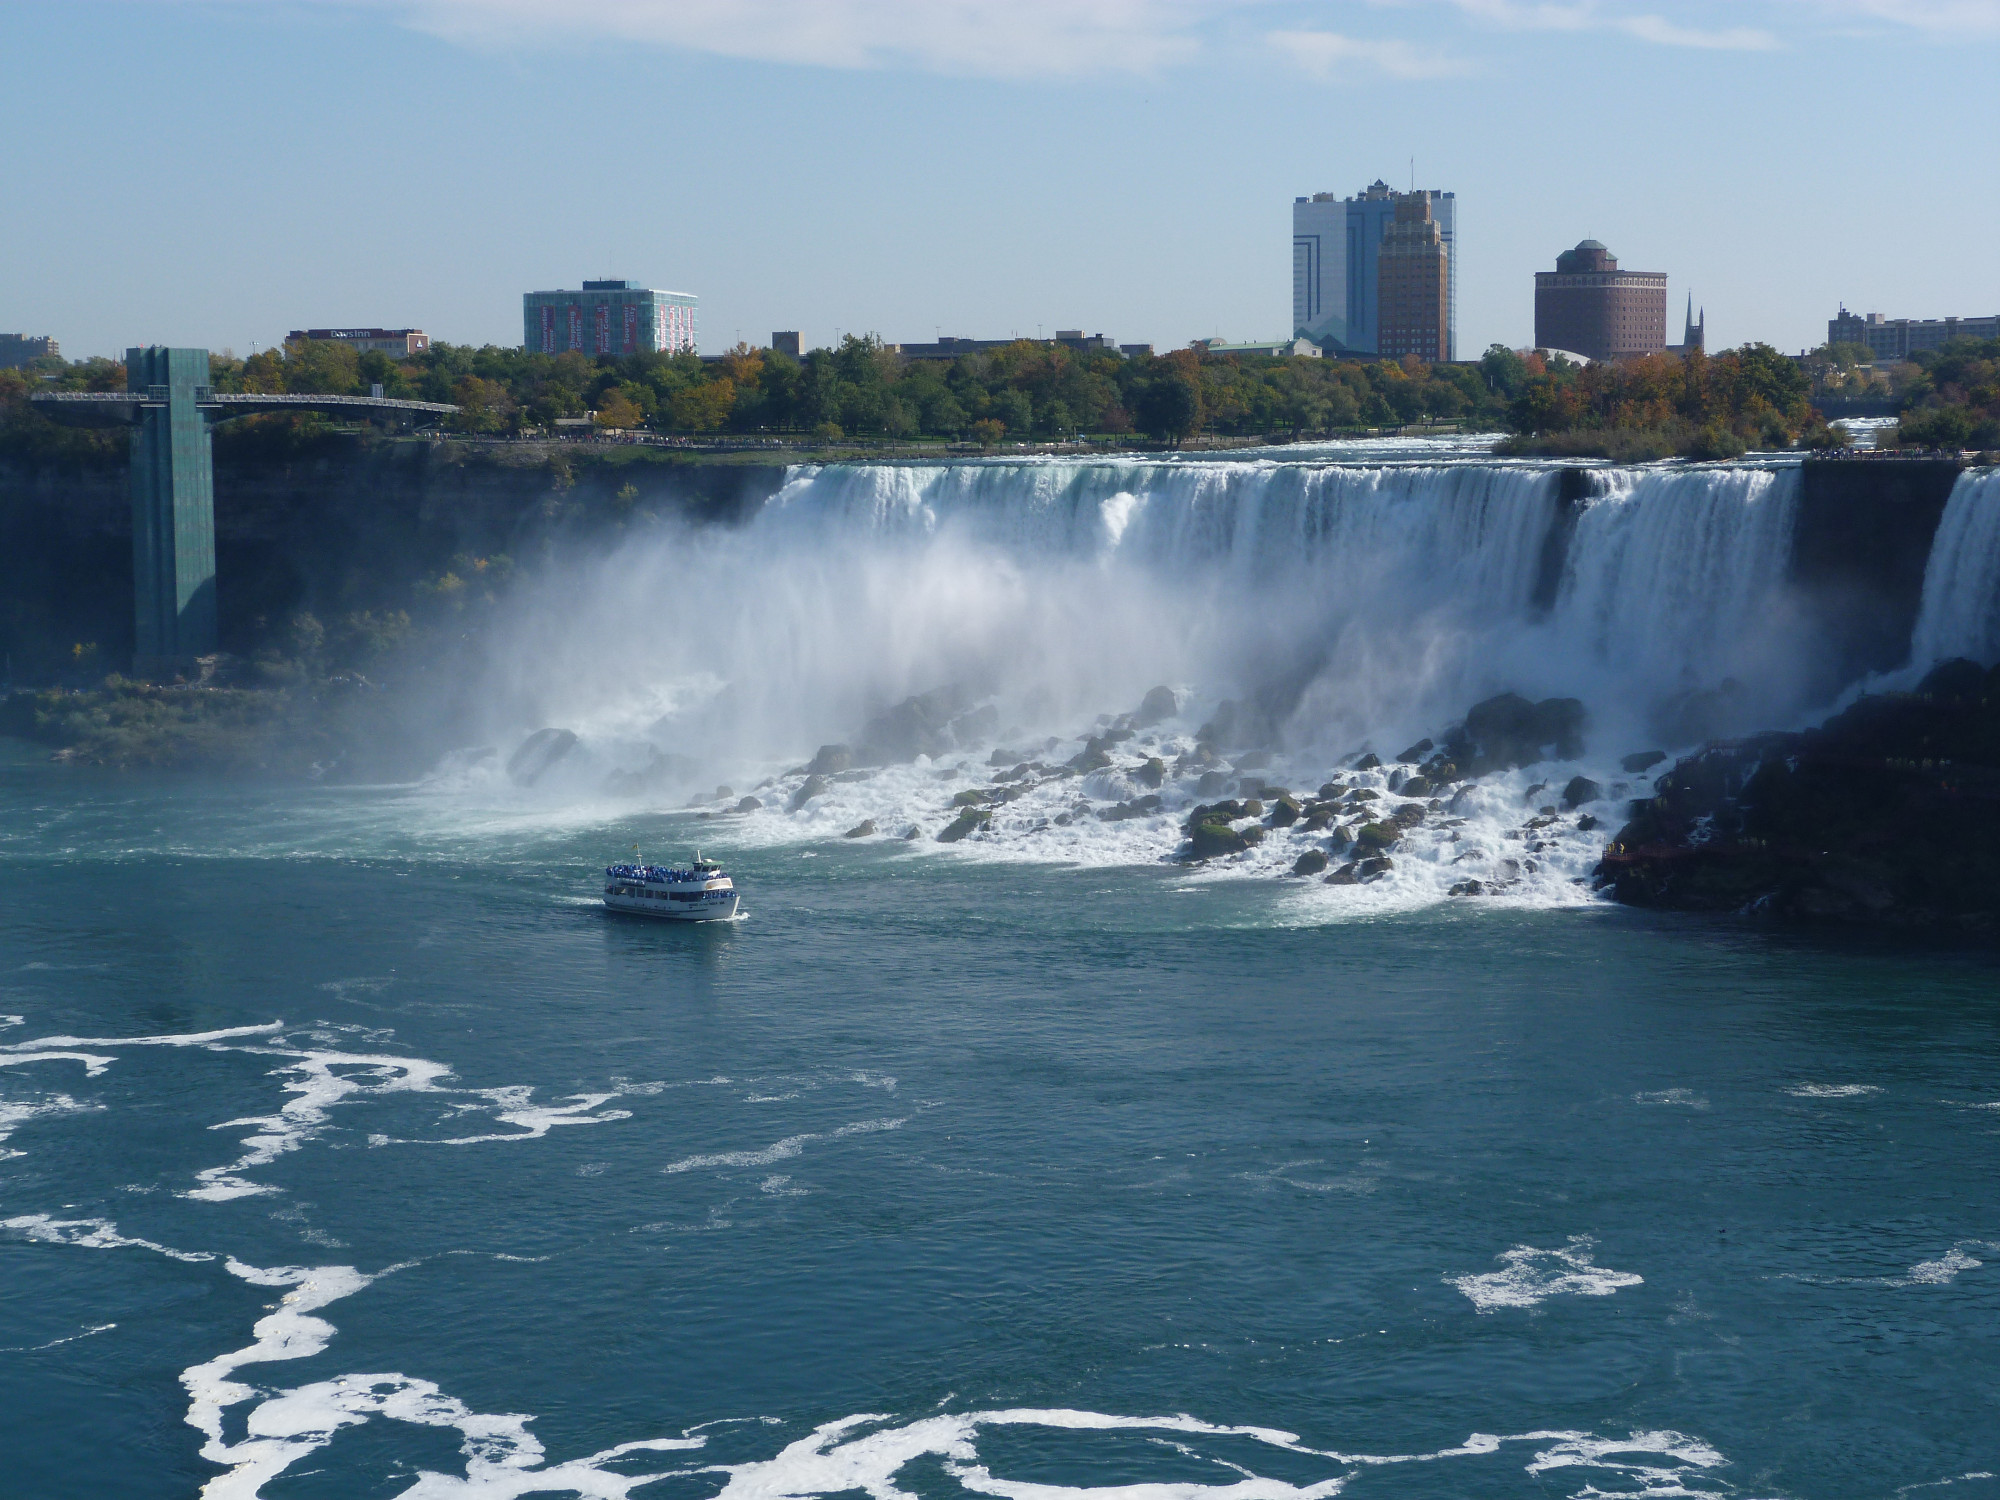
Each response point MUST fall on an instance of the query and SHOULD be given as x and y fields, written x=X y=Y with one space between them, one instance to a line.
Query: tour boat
x=699 y=893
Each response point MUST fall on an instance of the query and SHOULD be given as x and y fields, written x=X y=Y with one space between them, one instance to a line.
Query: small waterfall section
x=1676 y=582
x=1960 y=613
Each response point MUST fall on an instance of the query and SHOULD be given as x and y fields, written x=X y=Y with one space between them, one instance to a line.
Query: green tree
x=1170 y=407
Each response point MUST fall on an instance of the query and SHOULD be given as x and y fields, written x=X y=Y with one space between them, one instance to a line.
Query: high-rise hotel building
x=1336 y=265
x=609 y=317
x=1413 y=285
x=1588 y=306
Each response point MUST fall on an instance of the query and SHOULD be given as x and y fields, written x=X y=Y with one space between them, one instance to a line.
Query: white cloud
x=1666 y=34
x=1588 y=15
x=1324 y=54
x=995 y=38
x=1952 y=18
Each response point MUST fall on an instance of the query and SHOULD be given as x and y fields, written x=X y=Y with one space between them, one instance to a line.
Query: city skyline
x=873 y=167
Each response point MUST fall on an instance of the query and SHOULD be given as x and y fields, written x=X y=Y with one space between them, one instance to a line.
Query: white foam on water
x=533 y=1121
x=317 y=1082
x=89 y=1332
x=783 y=1150
x=171 y=1039
x=1530 y=1276
x=1687 y=1098
x=92 y=1234
x=94 y=1063
x=16 y=1113
x=1939 y=1272
x=1832 y=1090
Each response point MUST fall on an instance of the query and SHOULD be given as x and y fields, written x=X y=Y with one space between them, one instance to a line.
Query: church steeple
x=1696 y=335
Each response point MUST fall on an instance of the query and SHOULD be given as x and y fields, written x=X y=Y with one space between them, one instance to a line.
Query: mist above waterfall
x=1354 y=606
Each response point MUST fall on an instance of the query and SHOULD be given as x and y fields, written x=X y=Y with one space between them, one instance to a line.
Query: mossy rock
x=1214 y=840
x=1310 y=863
x=970 y=821
x=975 y=797
x=1153 y=773
x=1378 y=835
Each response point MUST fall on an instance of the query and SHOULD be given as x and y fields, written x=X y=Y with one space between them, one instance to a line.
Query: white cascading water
x=1362 y=606
x=1960 y=615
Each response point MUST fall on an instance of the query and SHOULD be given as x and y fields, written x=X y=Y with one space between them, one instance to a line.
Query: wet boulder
x=749 y=805
x=1416 y=786
x=811 y=787
x=1092 y=757
x=1642 y=761
x=1153 y=773
x=1344 y=875
x=1373 y=869
x=1310 y=863
x=919 y=725
x=1158 y=705
x=1507 y=730
x=865 y=829
x=831 y=759
x=1409 y=815
x=1377 y=836
x=1416 y=752
x=1369 y=762
x=1581 y=789
x=970 y=821
x=1468 y=888
x=537 y=754
x=1285 y=812
x=1210 y=783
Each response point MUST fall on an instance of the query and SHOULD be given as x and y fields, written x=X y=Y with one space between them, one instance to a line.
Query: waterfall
x=1960 y=614
x=1357 y=604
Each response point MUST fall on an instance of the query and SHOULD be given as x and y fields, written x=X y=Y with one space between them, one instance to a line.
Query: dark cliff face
x=341 y=524
x=1862 y=541
x=1886 y=815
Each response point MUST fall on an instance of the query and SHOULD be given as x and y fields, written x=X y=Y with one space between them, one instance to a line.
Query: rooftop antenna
x=1413 y=174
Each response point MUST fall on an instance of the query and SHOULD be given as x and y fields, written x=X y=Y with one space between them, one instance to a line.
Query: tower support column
x=173 y=511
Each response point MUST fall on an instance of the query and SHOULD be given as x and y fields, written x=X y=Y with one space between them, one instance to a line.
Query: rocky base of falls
x=1887 y=815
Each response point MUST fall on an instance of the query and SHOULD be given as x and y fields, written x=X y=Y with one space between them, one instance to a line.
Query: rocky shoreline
x=1887 y=815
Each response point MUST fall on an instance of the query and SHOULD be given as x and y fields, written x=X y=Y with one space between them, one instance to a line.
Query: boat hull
x=712 y=906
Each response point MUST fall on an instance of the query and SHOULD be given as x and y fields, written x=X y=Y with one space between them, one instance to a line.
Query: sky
x=218 y=172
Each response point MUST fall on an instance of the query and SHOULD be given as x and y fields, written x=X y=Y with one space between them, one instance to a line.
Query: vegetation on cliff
x=1659 y=406
x=1887 y=815
x=1954 y=399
